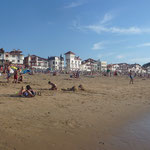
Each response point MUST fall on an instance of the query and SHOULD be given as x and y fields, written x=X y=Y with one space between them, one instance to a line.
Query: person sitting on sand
x=53 y=86
x=70 y=89
x=20 y=79
x=80 y=87
x=28 y=92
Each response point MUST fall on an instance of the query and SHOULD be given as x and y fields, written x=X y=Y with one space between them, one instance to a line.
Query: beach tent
x=25 y=71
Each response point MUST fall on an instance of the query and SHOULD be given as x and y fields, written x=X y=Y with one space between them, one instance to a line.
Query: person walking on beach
x=131 y=77
x=8 y=72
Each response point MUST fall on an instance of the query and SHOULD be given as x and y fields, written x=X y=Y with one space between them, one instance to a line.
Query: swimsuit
x=25 y=94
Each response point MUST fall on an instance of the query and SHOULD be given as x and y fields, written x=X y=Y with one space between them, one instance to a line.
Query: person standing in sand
x=8 y=72
x=16 y=75
x=131 y=77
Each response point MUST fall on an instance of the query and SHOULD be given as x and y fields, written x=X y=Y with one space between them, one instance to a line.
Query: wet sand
x=82 y=120
x=133 y=135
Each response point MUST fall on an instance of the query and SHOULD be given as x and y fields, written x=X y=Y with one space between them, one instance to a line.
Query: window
x=13 y=55
x=53 y=62
x=13 y=60
x=7 y=56
x=18 y=60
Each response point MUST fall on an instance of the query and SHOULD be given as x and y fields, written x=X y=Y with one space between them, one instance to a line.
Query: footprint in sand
x=72 y=124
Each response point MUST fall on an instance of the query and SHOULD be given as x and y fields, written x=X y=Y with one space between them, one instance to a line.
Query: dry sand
x=56 y=120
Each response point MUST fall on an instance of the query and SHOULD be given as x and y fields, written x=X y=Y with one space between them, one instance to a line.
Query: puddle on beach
x=135 y=136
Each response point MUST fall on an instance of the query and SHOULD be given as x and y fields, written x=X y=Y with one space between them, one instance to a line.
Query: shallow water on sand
x=135 y=136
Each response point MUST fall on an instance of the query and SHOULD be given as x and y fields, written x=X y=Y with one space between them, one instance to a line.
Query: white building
x=33 y=61
x=113 y=67
x=148 y=70
x=2 y=56
x=136 y=68
x=125 y=68
x=73 y=63
x=89 y=65
x=93 y=65
x=102 y=66
x=56 y=63
x=15 y=57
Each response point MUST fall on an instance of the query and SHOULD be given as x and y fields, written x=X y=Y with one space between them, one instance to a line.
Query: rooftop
x=69 y=52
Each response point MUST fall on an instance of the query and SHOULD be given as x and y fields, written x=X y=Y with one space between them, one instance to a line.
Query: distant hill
x=146 y=65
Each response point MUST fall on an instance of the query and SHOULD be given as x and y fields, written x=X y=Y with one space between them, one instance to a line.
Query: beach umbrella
x=12 y=67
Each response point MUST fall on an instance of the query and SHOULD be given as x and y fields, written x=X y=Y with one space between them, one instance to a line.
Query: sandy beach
x=57 y=120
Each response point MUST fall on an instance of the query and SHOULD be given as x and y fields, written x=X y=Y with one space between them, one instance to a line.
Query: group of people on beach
x=18 y=76
x=29 y=92
x=74 y=88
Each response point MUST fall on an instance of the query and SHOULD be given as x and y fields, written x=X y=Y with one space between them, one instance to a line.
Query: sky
x=110 y=30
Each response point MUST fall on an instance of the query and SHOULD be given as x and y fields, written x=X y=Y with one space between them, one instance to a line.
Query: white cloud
x=131 y=30
x=144 y=45
x=74 y=4
x=98 y=46
x=103 y=28
x=107 y=17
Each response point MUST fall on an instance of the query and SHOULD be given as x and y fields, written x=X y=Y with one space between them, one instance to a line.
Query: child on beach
x=53 y=86
x=16 y=75
x=20 y=79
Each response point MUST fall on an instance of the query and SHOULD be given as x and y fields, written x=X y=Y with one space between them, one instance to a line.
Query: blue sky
x=111 y=30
